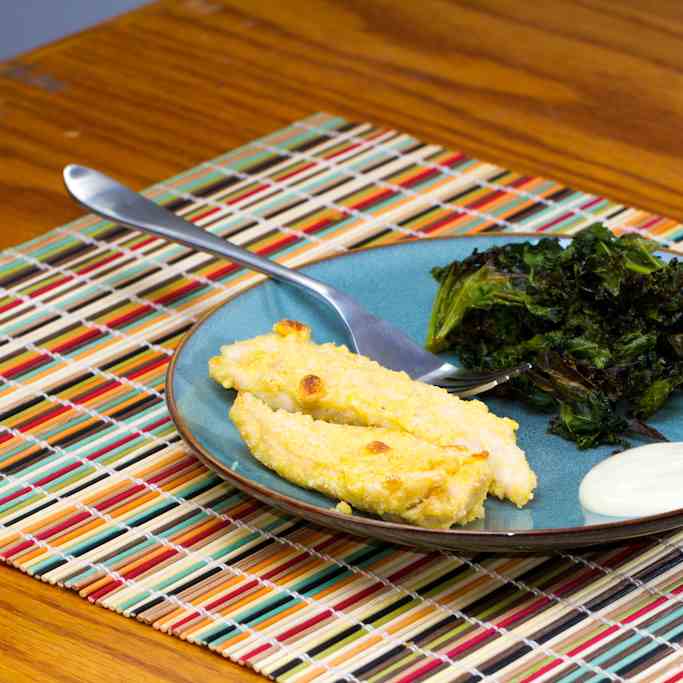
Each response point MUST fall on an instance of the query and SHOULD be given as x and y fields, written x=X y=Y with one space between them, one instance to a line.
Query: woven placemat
x=99 y=494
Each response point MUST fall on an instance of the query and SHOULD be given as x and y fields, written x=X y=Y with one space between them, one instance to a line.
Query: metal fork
x=370 y=335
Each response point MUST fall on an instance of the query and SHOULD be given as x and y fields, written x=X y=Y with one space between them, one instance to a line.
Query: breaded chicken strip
x=390 y=473
x=287 y=370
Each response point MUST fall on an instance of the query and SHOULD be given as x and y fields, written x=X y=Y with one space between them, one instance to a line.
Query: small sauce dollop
x=638 y=482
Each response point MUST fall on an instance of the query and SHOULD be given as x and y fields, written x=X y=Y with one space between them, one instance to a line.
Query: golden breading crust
x=386 y=472
x=287 y=370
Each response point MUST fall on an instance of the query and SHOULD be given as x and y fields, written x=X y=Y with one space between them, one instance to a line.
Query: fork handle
x=115 y=202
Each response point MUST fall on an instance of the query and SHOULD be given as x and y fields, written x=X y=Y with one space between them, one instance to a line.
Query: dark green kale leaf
x=482 y=288
x=601 y=320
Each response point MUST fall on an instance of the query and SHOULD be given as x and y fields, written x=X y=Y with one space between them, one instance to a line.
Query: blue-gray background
x=25 y=24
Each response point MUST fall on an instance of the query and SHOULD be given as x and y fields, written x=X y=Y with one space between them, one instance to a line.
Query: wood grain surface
x=586 y=91
x=48 y=634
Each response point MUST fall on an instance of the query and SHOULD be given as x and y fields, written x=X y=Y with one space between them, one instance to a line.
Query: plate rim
x=636 y=526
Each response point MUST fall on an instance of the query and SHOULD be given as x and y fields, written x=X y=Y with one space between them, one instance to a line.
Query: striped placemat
x=98 y=493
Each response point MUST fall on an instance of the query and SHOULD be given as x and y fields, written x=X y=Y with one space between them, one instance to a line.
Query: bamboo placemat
x=99 y=494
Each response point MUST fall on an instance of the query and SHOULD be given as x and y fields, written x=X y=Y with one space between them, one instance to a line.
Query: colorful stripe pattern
x=98 y=493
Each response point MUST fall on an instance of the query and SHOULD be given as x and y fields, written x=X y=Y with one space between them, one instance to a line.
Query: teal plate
x=394 y=283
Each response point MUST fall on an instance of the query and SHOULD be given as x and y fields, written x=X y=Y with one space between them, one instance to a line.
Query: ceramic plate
x=394 y=283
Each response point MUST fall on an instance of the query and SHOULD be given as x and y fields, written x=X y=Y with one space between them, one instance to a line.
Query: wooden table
x=589 y=92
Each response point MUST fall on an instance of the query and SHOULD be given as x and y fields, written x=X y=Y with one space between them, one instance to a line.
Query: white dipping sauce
x=640 y=481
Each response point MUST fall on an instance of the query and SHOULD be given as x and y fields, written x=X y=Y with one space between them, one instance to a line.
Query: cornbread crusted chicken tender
x=390 y=473
x=287 y=370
